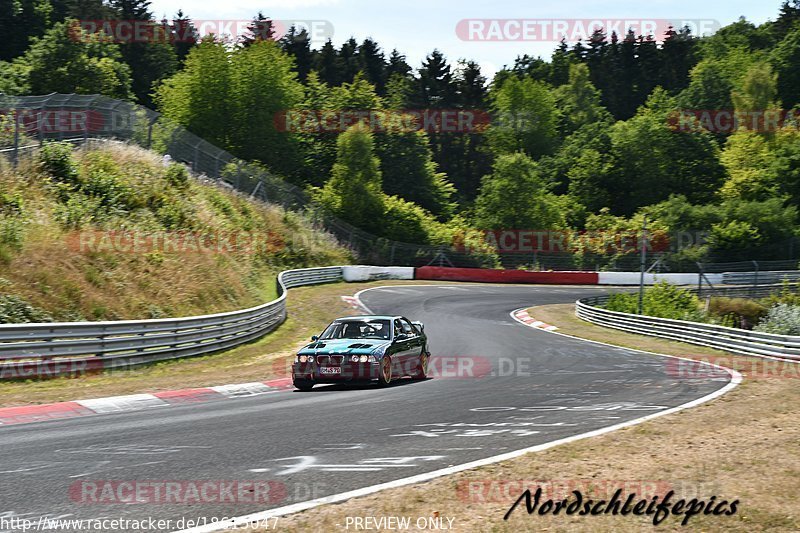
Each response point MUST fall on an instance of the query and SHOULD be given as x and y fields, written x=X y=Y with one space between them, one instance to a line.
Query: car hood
x=344 y=346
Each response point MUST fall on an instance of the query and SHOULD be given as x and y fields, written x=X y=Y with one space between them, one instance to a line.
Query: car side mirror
x=401 y=337
x=314 y=338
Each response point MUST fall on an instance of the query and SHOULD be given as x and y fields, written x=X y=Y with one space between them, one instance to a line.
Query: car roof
x=368 y=317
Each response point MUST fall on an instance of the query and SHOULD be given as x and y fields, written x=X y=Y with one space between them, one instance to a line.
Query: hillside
x=114 y=233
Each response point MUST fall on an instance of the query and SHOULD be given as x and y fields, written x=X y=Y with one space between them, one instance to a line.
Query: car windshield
x=358 y=329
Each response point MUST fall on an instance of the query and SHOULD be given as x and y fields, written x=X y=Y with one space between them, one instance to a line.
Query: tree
x=758 y=90
x=372 y=64
x=761 y=167
x=526 y=117
x=531 y=67
x=321 y=147
x=559 y=64
x=87 y=10
x=22 y=20
x=325 y=64
x=746 y=158
x=709 y=88
x=353 y=192
x=788 y=19
x=69 y=60
x=263 y=85
x=785 y=59
x=132 y=9
x=560 y=167
x=785 y=162
x=199 y=96
x=150 y=62
x=433 y=90
x=516 y=196
x=678 y=58
x=13 y=78
x=654 y=161
x=184 y=36
x=472 y=159
x=624 y=101
x=579 y=101
x=298 y=45
x=397 y=65
x=434 y=86
x=347 y=61
x=410 y=172
x=260 y=28
x=648 y=63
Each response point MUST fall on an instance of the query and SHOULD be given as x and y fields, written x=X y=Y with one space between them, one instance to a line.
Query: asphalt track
x=500 y=386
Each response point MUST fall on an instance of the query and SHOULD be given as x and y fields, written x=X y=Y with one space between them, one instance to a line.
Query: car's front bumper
x=347 y=371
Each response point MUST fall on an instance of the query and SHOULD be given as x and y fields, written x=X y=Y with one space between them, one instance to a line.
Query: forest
x=595 y=138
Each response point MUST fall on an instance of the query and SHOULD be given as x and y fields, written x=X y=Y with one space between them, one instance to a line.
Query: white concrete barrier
x=372 y=273
x=632 y=278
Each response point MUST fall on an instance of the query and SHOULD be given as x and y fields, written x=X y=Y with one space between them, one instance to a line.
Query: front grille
x=330 y=359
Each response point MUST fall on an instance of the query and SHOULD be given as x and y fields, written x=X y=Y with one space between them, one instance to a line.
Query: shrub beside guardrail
x=53 y=349
x=724 y=338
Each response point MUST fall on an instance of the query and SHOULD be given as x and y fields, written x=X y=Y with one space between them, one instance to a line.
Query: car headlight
x=305 y=358
x=363 y=358
x=354 y=359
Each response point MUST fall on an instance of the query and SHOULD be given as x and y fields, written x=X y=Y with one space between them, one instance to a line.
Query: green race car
x=363 y=348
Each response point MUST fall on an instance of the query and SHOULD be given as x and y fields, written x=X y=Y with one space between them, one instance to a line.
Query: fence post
x=16 y=137
x=755 y=279
x=150 y=133
x=699 y=280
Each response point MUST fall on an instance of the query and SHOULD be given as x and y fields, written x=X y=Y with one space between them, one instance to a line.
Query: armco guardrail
x=754 y=278
x=52 y=349
x=720 y=337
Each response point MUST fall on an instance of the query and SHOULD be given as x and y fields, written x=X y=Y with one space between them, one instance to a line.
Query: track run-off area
x=498 y=389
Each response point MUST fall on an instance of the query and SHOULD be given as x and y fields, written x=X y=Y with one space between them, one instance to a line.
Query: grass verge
x=742 y=446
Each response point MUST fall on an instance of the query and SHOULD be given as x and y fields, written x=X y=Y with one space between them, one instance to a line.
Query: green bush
x=11 y=204
x=783 y=319
x=56 y=160
x=175 y=214
x=789 y=294
x=14 y=310
x=109 y=190
x=102 y=178
x=76 y=211
x=405 y=222
x=177 y=175
x=12 y=232
x=12 y=223
x=661 y=300
x=736 y=312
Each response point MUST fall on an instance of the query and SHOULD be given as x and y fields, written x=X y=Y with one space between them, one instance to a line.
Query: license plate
x=330 y=370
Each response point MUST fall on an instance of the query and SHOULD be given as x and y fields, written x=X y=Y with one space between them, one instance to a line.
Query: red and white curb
x=355 y=303
x=523 y=316
x=137 y=402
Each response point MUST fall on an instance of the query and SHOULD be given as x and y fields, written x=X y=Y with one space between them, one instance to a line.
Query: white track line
x=736 y=378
